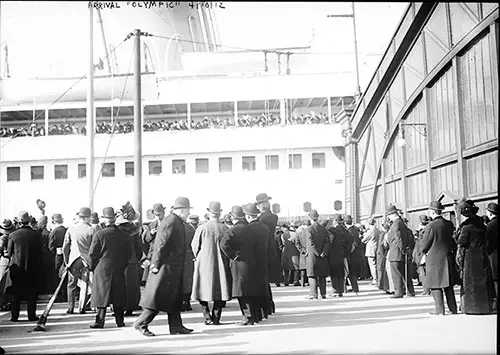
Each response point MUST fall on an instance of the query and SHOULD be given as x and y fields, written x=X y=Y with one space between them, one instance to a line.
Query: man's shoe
x=436 y=314
x=120 y=325
x=146 y=332
x=34 y=319
x=296 y=283
x=97 y=326
x=247 y=321
x=209 y=322
x=181 y=331
x=128 y=313
x=312 y=297
x=394 y=296
x=82 y=311
x=323 y=296
x=70 y=311
x=14 y=320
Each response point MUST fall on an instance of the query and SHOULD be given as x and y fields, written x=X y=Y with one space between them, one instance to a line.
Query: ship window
x=155 y=167
x=60 y=172
x=318 y=160
x=295 y=161
x=272 y=162
x=129 y=168
x=202 y=165
x=248 y=163
x=13 y=173
x=37 y=172
x=178 y=166
x=225 y=164
x=108 y=169
x=82 y=171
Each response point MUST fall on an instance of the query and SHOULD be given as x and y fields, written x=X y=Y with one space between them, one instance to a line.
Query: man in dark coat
x=340 y=246
x=418 y=255
x=164 y=288
x=492 y=245
x=187 y=272
x=270 y=220
x=149 y=236
x=355 y=256
x=318 y=244
x=246 y=247
x=56 y=241
x=439 y=246
x=25 y=267
x=398 y=245
x=109 y=256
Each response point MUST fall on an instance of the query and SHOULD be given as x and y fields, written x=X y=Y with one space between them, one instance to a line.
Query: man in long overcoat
x=212 y=275
x=187 y=272
x=301 y=245
x=149 y=236
x=340 y=246
x=163 y=290
x=248 y=253
x=371 y=239
x=56 y=241
x=25 y=267
x=439 y=246
x=492 y=245
x=318 y=244
x=418 y=256
x=126 y=222
x=271 y=221
x=398 y=237
x=109 y=256
x=355 y=257
x=290 y=256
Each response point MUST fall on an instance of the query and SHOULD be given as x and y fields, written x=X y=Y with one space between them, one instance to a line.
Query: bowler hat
x=214 y=207
x=108 y=212
x=493 y=208
x=337 y=217
x=84 y=212
x=181 y=202
x=237 y=212
x=94 y=218
x=424 y=219
x=314 y=214
x=7 y=225
x=467 y=208
x=262 y=198
x=391 y=209
x=251 y=209
x=57 y=217
x=158 y=208
x=436 y=205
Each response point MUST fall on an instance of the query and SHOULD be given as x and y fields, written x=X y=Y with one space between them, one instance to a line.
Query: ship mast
x=90 y=112
x=137 y=125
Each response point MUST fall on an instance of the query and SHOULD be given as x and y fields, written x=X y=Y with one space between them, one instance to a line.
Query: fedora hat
x=391 y=209
x=214 y=207
x=57 y=217
x=436 y=205
x=84 y=212
x=493 y=208
x=467 y=208
x=7 y=225
x=108 y=212
x=251 y=209
x=40 y=204
x=181 y=202
x=262 y=198
x=23 y=217
x=94 y=218
x=424 y=219
x=314 y=214
x=158 y=208
x=237 y=212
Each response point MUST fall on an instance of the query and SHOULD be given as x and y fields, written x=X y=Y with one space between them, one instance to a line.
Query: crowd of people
x=179 y=259
x=263 y=120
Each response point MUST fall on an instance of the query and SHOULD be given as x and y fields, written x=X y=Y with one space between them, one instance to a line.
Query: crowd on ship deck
x=71 y=128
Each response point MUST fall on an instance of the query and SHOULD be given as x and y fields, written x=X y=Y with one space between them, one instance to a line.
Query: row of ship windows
x=178 y=167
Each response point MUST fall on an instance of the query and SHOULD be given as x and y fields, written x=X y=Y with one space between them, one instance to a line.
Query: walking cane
x=40 y=327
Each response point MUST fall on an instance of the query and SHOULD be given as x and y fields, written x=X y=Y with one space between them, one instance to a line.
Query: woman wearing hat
x=476 y=291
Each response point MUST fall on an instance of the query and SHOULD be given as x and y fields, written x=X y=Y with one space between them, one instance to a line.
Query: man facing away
x=56 y=240
x=76 y=248
x=439 y=246
x=492 y=245
x=371 y=239
x=164 y=289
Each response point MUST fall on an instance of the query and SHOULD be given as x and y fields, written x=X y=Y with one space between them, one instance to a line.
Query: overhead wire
x=62 y=95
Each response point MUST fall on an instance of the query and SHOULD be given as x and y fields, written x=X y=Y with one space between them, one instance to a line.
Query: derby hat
x=214 y=207
x=108 y=212
x=94 y=218
x=467 y=208
x=493 y=208
x=158 y=208
x=391 y=209
x=7 y=225
x=314 y=214
x=181 y=202
x=84 y=212
x=57 y=217
x=23 y=217
x=424 y=219
x=262 y=198
x=237 y=212
x=251 y=209
x=436 y=205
